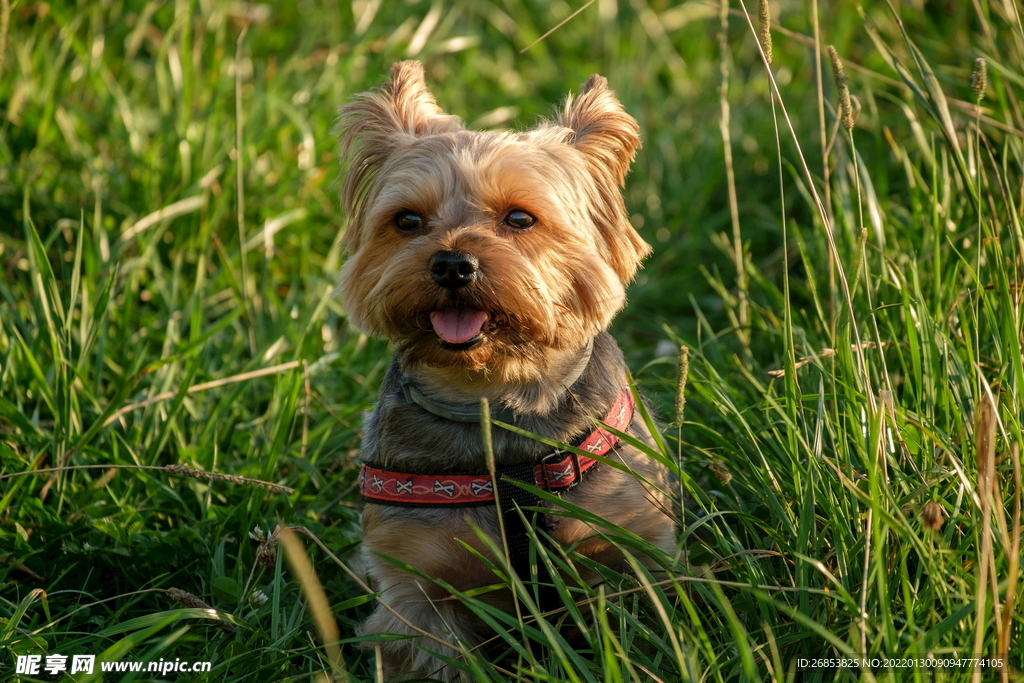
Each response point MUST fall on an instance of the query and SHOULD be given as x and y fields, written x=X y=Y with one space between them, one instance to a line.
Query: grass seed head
x=684 y=371
x=189 y=600
x=843 y=85
x=932 y=515
x=979 y=79
x=721 y=472
x=186 y=598
x=985 y=419
x=764 y=33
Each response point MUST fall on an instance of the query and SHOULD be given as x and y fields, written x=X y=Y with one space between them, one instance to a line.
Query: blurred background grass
x=144 y=251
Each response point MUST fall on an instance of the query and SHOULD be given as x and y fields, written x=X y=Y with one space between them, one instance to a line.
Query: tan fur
x=549 y=293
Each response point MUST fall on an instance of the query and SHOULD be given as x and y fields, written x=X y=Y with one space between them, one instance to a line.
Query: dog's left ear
x=608 y=138
x=604 y=132
x=378 y=123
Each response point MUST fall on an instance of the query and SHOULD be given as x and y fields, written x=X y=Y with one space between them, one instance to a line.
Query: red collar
x=396 y=488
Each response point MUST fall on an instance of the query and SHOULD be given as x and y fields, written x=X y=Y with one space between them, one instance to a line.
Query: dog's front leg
x=443 y=619
x=428 y=541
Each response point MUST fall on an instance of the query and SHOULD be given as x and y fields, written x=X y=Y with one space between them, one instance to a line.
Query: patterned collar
x=551 y=473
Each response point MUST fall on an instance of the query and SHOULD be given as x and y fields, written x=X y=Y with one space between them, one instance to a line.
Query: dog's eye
x=519 y=220
x=407 y=221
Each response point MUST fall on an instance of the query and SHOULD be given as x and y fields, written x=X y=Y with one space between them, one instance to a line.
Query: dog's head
x=485 y=249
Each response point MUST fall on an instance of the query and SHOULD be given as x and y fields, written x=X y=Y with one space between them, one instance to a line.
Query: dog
x=494 y=263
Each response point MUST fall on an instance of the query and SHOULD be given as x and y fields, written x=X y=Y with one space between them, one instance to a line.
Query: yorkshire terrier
x=494 y=262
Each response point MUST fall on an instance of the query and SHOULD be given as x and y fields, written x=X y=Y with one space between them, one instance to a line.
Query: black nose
x=453 y=269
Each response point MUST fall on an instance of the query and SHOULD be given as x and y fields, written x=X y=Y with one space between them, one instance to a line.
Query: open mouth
x=457 y=328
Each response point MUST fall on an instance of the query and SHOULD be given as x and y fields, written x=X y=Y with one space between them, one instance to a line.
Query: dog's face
x=485 y=249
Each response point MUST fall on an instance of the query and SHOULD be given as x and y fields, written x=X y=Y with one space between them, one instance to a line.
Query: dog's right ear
x=383 y=120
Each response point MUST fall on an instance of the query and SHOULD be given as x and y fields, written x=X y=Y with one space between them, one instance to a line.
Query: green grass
x=850 y=458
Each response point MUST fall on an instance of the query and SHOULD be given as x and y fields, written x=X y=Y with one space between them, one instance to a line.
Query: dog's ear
x=602 y=130
x=608 y=138
x=379 y=122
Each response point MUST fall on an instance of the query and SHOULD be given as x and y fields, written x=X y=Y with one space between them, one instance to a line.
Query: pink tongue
x=457 y=326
